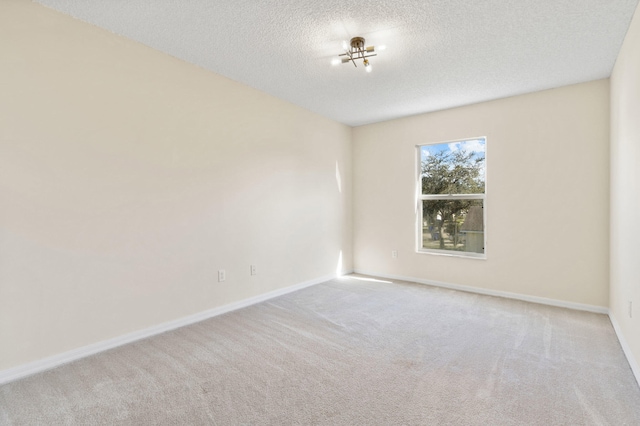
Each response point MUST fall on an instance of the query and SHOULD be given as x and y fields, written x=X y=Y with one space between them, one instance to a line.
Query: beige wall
x=547 y=195
x=128 y=178
x=625 y=188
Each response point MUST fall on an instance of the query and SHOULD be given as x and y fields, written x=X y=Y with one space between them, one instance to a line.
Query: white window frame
x=420 y=197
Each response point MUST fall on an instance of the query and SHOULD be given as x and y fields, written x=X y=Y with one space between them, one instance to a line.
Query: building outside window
x=451 y=201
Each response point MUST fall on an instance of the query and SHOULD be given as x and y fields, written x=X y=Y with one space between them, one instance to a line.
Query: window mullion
x=452 y=197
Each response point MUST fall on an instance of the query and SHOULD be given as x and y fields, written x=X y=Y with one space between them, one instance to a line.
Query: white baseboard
x=48 y=363
x=505 y=294
x=635 y=368
x=41 y=365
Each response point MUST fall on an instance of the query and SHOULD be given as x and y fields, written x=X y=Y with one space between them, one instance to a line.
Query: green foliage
x=455 y=172
x=449 y=172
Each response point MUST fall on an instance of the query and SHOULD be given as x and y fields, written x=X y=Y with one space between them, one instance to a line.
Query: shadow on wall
x=339 y=183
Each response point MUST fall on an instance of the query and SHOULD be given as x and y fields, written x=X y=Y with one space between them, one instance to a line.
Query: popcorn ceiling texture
x=440 y=54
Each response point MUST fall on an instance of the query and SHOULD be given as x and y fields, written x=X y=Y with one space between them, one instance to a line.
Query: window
x=451 y=199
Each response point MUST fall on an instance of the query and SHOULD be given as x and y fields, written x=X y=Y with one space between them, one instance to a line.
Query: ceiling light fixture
x=358 y=51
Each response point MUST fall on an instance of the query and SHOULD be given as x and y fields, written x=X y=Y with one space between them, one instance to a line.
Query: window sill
x=477 y=256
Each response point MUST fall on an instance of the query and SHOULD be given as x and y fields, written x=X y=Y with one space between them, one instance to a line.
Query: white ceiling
x=440 y=53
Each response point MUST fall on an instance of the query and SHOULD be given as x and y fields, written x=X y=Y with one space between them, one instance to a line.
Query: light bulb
x=367 y=65
x=336 y=61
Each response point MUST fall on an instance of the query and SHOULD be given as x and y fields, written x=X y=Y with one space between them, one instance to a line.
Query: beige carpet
x=351 y=352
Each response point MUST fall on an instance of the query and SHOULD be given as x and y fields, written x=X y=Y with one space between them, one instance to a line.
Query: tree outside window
x=452 y=197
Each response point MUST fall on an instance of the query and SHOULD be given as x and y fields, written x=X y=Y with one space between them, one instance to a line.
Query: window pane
x=453 y=225
x=453 y=168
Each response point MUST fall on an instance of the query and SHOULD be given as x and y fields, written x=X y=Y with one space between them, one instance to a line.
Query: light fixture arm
x=358 y=51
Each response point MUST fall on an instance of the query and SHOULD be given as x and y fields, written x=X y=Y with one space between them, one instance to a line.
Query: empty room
x=342 y=213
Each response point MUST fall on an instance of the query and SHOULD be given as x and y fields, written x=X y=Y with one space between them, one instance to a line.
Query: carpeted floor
x=352 y=352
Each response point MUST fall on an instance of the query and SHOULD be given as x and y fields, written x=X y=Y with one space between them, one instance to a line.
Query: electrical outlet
x=222 y=275
x=394 y=254
x=253 y=270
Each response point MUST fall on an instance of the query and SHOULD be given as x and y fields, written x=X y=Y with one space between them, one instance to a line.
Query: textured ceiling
x=439 y=53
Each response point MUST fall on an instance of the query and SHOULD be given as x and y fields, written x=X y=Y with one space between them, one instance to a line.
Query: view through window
x=452 y=197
